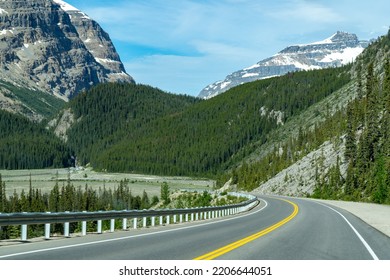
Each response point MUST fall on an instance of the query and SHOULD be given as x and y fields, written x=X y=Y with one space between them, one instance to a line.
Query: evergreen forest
x=122 y=129
x=26 y=145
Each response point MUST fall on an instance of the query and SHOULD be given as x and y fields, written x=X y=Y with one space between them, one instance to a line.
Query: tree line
x=67 y=197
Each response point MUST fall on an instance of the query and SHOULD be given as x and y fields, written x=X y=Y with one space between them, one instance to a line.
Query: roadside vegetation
x=67 y=197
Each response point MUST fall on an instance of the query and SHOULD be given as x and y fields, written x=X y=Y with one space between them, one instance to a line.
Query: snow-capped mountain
x=339 y=49
x=52 y=46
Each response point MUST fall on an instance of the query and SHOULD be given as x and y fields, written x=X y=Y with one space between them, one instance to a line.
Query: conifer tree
x=145 y=203
x=386 y=112
x=350 y=143
x=373 y=109
x=3 y=198
x=164 y=194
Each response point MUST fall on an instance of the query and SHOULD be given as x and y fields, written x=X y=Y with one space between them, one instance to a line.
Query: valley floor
x=45 y=179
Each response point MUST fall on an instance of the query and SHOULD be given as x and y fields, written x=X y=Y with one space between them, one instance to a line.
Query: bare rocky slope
x=50 y=46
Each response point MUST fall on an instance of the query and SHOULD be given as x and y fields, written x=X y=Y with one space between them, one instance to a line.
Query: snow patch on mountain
x=65 y=6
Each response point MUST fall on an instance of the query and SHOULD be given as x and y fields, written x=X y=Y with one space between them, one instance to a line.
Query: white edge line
x=369 y=249
x=130 y=237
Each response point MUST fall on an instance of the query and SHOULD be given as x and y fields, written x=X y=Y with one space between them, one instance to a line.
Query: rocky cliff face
x=51 y=46
x=339 y=49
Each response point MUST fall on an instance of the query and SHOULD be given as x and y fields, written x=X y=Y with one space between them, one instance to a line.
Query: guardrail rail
x=143 y=216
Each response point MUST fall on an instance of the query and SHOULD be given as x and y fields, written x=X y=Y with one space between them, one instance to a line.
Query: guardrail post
x=135 y=223
x=168 y=219
x=84 y=227
x=24 y=232
x=181 y=218
x=66 y=227
x=112 y=225
x=47 y=229
x=186 y=217
x=174 y=219
x=196 y=216
x=161 y=220
x=144 y=222
x=192 y=217
x=124 y=224
x=99 y=226
x=153 y=221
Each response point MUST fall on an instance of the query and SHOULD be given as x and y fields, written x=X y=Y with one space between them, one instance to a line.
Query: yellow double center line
x=214 y=254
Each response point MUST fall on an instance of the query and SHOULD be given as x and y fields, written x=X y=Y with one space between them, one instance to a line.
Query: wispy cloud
x=306 y=11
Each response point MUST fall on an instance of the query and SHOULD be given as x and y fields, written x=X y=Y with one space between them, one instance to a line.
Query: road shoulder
x=376 y=215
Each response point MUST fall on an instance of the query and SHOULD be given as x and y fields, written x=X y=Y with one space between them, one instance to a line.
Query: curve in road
x=275 y=230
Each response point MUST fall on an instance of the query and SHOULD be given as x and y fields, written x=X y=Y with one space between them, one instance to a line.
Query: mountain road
x=277 y=229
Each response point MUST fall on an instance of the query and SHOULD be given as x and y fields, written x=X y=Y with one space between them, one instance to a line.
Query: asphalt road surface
x=277 y=229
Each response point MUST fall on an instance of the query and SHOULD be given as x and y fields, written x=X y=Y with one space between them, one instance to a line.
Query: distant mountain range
x=50 y=46
x=339 y=49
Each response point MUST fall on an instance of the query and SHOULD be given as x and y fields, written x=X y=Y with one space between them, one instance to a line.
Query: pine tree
x=3 y=197
x=145 y=203
x=373 y=109
x=350 y=142
x=386 y=112
x=380 y=189
x=164 y=193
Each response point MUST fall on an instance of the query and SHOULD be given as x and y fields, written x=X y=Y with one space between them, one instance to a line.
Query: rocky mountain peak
x=339 y=49
x=342 y=37
x=52 y=46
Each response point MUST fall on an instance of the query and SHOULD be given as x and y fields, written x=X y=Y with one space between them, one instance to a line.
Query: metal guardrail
x=48 y=218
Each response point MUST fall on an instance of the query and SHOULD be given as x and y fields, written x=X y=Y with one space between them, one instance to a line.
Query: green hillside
x=133 y=128
x=35 y=101
x=27 y=145
x=109 y=113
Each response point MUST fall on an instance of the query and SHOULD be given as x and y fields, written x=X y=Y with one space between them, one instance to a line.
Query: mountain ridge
x=339 y=49
x=50 y=46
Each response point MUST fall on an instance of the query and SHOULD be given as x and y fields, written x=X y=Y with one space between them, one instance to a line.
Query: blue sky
x=181 y=46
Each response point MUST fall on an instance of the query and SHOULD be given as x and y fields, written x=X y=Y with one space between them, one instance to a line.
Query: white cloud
x=305 y=11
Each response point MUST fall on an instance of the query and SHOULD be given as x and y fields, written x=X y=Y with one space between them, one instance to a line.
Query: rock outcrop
x=51 y=46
